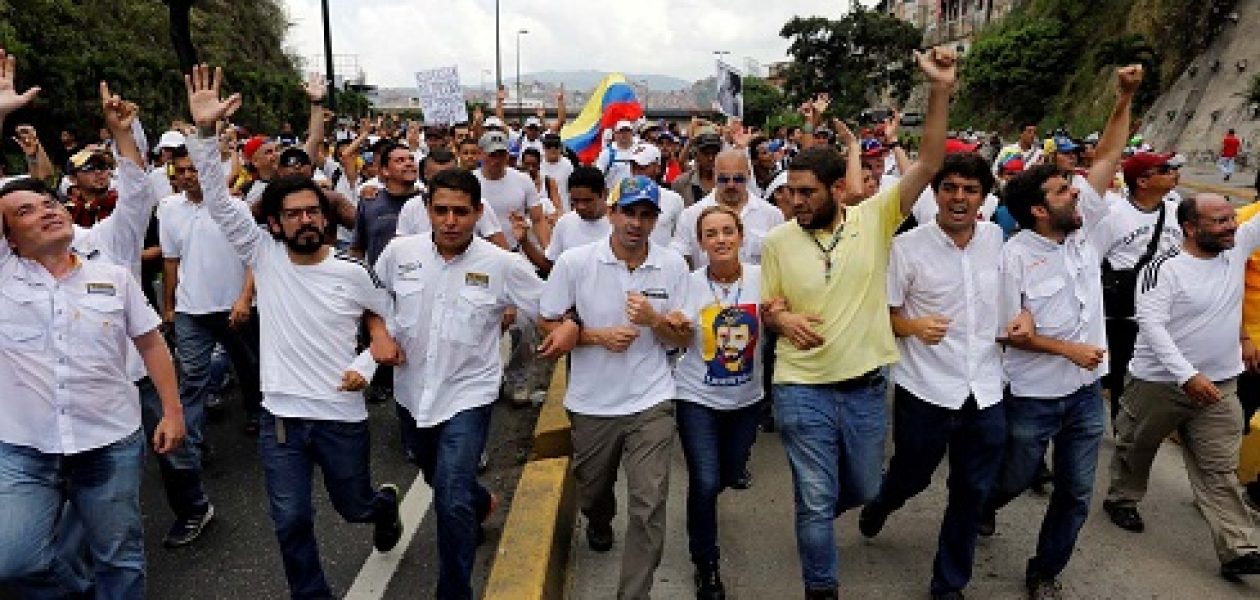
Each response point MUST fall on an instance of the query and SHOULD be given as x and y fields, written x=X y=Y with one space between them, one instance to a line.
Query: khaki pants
x=1210 y=437
x=642 y=443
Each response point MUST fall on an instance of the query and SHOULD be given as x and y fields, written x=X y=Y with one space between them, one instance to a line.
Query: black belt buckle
x=868 y=379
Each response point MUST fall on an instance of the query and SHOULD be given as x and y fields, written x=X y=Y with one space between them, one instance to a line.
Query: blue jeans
x=835 y=447
x=447 y=454
x=975 y=439
x=1075 y=423
x=716 y=445
x=196 y=337
x=181 y=467
x=101 y=487
x=341 y=451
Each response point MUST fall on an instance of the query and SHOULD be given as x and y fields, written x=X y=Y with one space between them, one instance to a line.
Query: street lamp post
x=498 y=54
x=484 y=97
x=328 y=59
x=519 y=33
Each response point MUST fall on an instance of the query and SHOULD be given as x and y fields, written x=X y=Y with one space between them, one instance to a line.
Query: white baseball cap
x=624 y=125
x=533 y=122
x=493 y=122
x=171 y=139
x=645 y=154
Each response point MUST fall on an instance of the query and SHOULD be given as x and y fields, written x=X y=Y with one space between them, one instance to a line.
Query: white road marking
x=379 y=568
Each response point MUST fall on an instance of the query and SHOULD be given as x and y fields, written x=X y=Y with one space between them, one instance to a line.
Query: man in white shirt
x=1184 y=379
x=731 y=191
x=311 y=301
x=557 y=166
x=586 y=223
x=627 y=294
x=646 y=161
x=1051 y=269
x=414 y=216
x=614 y=159
x=452 y=289
x=72 y=432
x=943 y=294
x=507 y=190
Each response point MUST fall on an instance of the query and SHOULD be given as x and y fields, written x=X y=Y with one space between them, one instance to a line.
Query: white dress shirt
x=414 y=219
x=63 y=354
x=309 y=315
x=1060 y=284
x=758 y=216
x=211 y=274
x=1189 y=313
x=928 y=274
x=447 y=319
x=592 y=279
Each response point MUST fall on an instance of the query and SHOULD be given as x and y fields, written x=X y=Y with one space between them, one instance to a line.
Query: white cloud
x=395 y=38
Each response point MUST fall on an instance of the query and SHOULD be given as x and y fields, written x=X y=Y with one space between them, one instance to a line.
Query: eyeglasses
x=294 y=214
x=93 y=168
x=725 y=179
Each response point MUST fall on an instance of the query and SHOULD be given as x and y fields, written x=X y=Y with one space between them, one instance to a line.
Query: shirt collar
x=605 y=254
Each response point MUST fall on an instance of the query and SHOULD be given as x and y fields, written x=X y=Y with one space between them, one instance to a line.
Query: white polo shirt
x=63 y=354
x=572 y=231
x=414 y=219
x=309 y=315
x=597 y=283
x=448 y=320
x=928 y=274
x=1189 y=313
x=1061 y=285
x=759 y=218
x=722 y=367
x=210 y=272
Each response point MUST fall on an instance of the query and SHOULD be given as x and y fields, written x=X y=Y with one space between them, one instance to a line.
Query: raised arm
x=560 y=112
x=122 y=232
x=316 y=90
x=1116 y=133
x=10 y=100
x=207 y=108
x=940 y=68
x=853 y=160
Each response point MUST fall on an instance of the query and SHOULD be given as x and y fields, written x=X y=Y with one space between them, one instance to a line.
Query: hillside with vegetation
x=1052 y=61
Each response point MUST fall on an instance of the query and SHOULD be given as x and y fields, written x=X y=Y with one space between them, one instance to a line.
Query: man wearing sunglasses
x=91 y=198
x=1124 y=239
x=731 y=173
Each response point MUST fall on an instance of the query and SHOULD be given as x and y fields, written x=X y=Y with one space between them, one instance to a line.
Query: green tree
x=855 y=59
x=761 y=100
x=1017 y=71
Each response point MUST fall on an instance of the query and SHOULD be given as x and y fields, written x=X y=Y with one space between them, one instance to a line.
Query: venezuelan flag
x=612 y=100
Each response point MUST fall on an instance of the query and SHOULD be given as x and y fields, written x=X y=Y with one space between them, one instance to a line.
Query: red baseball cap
x=1138 y=164
x=957 y=146
x=253 y=145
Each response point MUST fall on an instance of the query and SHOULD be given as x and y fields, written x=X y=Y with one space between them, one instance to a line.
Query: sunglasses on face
x=725 y=179
x=1166 y=169
x=93 y=168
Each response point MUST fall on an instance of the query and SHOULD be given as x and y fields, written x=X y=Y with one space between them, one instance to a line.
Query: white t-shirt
x=160 y=182
x=925 y=208
x=210 y=272
x=572 y=231
x=414 y=218
x=309 y=315
x=595 y=282
x=1189 y=313
x=560 y=172
x=759 y=218
x=722 y=367
x=667 y=221
x=615 y=163
x=514 y=192
x=1122 y=237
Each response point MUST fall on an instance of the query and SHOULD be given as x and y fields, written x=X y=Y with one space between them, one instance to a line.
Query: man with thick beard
x=311 y=300
x=824 y=284
x=1184 y=378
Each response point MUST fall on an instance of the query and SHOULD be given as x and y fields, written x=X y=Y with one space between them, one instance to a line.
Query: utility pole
x=498 y=55
x=328 y=59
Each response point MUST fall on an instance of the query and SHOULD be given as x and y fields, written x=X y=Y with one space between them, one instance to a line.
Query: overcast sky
x=395 y=38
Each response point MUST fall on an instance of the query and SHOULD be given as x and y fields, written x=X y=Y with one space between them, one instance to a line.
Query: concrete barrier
x=532 y=560
x=551 y=434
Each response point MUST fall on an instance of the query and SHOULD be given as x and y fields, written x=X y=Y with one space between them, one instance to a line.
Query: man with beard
x=758 y=216
x=628 y=294
x=1184 y=378
x=311 y=300
x=824 y=285
x=90 y=196
x=1051 y=269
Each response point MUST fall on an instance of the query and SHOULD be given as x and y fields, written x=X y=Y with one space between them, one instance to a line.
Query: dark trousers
x=716 y=444
x=447 y=454
x=974 y=439
x=1121 y=336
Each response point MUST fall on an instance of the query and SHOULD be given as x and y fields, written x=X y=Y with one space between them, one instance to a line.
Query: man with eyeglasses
x=1124 y=238
x=1184 y=377
x=731 y=175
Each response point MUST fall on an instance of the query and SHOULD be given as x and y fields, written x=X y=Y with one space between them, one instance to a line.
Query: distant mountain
x=585 y=80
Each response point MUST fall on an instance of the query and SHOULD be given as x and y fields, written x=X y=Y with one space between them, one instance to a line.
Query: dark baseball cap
x=295 y=157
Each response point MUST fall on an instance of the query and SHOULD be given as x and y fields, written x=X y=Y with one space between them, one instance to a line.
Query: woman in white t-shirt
x=718 y=381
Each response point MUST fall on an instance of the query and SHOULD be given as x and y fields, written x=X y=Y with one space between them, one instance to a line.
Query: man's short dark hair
x=459 y=180
x=531 y=151
x=179 y=152
x=588 y=177
x=1023 y=191
x=824 y=162
x=1187 y=211
x=468 y=141
x=967 y=165
x=440 y=156
x=24 y=184
x=272 y=201
x=384 y=149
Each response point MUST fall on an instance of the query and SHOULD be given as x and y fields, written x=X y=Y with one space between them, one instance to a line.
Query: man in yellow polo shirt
x=1249 y=381
x=824 y=276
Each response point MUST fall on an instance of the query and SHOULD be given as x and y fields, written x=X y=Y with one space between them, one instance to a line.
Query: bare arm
x=853 y=160
x=542 y=227
x=316 y=90
x=939 y=65
x=170 y=279
x=1116 y=133
x=157 y=361
x=560 y=112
